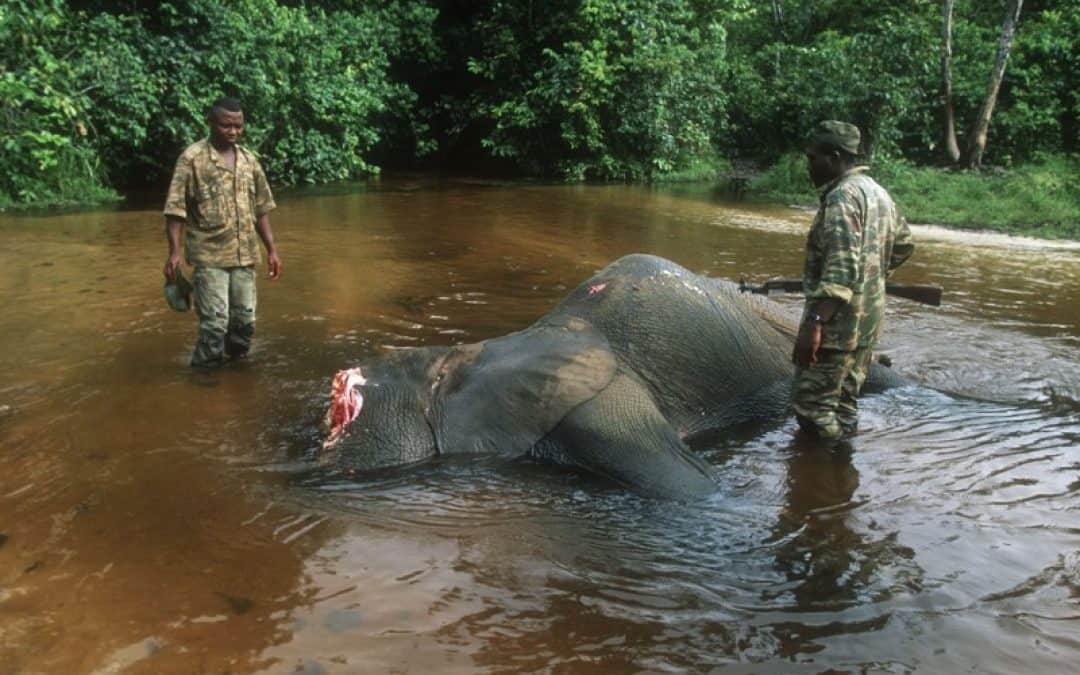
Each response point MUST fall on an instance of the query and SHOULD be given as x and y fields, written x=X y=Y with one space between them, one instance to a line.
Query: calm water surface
x=155 y=521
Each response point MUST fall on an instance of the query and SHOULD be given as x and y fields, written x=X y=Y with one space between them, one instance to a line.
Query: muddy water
x=156 y=521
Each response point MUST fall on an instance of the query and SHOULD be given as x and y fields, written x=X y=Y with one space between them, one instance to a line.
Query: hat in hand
x=178 y=292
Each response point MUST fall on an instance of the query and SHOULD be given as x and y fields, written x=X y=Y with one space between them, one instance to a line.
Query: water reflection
x=817 y=550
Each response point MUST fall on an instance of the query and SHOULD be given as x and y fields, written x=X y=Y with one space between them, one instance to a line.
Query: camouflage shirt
x=857 y=239
x=219 y=205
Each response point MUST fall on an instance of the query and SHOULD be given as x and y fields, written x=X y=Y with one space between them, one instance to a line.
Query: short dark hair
x=226 y=104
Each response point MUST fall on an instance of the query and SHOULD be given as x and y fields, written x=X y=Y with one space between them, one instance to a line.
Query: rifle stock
x=924 y=293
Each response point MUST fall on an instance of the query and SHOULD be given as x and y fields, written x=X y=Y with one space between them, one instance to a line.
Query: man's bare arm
x=266 y=233
x=174 y=227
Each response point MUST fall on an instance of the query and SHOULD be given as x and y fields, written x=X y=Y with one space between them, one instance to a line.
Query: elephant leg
x=620 y=434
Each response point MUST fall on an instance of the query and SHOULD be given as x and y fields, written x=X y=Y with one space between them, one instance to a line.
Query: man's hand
x=173 y=228
x=807 y=343
x=273 y=265
x=172 y=263
x=266 y=233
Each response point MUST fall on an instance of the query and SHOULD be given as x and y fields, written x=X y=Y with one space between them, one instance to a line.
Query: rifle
x=924 y=293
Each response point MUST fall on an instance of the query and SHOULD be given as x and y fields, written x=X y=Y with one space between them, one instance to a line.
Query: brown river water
x=157 y=521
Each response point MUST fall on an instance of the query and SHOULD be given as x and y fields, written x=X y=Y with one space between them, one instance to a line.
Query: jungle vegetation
x=98 y=97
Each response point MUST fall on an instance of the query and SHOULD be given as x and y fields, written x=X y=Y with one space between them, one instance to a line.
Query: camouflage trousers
x=225 y=302
x=825 y=395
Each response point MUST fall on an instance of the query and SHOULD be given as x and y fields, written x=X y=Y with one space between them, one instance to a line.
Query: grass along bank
x=1039 y=199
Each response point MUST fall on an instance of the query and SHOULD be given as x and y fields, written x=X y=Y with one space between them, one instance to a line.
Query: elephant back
x=704 y=350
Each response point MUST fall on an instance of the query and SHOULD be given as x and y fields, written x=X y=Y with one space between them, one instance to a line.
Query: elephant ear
x=515 y=389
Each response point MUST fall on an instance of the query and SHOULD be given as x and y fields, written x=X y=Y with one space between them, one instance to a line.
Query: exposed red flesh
x=345 y=404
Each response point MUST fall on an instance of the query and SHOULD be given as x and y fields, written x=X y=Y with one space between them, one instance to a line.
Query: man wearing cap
x=857 y=239
x=220 y=198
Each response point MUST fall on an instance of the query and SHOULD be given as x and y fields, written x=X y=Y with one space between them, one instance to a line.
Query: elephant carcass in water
x=613 y=380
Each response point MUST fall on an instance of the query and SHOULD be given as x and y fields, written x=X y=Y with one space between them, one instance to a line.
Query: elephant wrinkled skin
x=613 y=380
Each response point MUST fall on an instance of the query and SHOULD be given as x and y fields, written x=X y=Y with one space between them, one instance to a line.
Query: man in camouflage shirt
x=220 y=199
x=857 y=239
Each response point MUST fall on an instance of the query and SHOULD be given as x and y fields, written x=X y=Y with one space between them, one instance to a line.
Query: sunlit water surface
x=157 y=521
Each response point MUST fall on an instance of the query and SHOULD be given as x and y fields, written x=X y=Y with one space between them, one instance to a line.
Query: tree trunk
x=778 y=19
x=977 y=140
x=952 y=149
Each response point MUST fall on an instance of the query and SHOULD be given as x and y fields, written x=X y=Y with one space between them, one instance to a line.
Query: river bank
x=1039 y=199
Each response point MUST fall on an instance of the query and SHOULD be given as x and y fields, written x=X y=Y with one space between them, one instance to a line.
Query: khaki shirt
x=218 y=205
x=858 y=238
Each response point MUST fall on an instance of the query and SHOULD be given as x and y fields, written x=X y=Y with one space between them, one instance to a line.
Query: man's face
x=226 y=127
x=822 y=163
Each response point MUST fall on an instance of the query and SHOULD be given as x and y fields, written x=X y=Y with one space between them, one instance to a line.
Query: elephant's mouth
x=345 y=404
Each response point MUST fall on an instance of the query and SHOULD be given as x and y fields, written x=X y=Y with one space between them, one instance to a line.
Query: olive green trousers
x=225 y=303
x=825 y=395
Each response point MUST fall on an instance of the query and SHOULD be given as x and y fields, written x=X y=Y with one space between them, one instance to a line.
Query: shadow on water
x=154 y=521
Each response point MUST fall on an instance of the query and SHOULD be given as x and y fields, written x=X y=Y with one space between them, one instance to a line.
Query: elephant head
x=501 y=395
x=379 y=412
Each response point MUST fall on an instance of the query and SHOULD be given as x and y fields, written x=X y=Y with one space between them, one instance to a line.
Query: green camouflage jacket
x=219 y=205
x=857 y=239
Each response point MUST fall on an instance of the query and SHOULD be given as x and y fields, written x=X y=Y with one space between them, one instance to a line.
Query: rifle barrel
x=924 y=293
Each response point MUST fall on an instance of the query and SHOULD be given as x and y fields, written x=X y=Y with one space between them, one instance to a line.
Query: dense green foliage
x=1040 y=197
x=92 y=98
x=315 y=84
x=97 y=94
x=66 y=100
x=600 y=89
x=878 y=65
